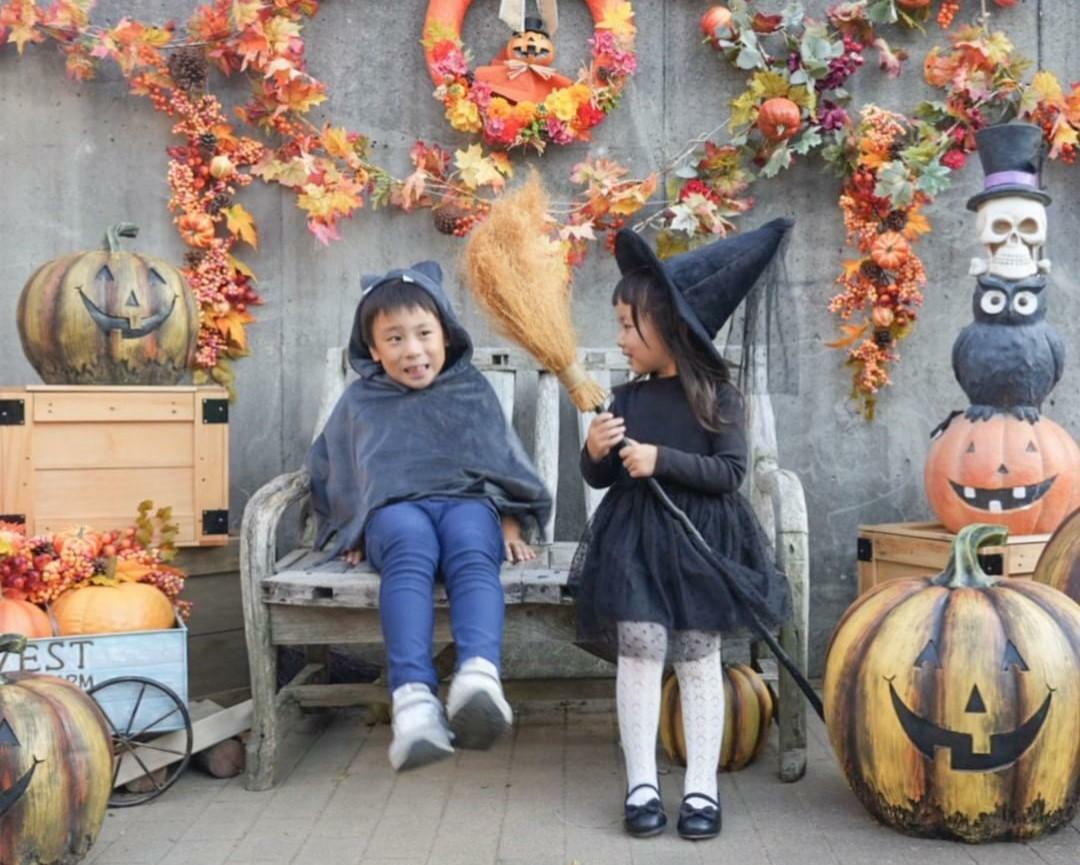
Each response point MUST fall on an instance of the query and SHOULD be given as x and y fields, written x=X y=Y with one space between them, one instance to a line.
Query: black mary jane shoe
x=643 y=821
x=697 y=824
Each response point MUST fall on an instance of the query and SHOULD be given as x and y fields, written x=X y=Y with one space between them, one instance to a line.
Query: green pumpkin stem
x=964 y=569
x=11 y=643
x=115 y=232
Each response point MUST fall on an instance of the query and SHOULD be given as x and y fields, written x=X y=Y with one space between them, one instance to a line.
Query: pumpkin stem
x=11 y=643
x=964 y=569
x=115 y=232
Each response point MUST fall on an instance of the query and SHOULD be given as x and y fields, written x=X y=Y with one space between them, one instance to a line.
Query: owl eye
x=993 y=301
x=1026 y=302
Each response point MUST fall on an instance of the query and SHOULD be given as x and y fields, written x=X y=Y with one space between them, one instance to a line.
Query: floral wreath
x=565 y=116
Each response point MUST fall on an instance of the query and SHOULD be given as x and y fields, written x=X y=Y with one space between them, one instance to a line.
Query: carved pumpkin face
x=953 y=704
x=108 y=317
x=531 y=46
x=11 y=794
x=1006 y=471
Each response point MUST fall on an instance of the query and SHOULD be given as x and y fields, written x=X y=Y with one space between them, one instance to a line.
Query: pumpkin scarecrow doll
x=522 y=72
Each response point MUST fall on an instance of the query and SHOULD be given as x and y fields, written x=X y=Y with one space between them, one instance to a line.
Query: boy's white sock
x=478 y=711
x=637 y=697
x=420 y=732
x=701 y=684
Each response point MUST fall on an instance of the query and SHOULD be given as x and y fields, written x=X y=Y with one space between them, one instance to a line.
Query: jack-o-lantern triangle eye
x=132 y=300
x=1013 y=659
x=156 y=277
x=971 y=448
x=929 y=656
x=1031 y=449
x=104 y=274
x=7 y=735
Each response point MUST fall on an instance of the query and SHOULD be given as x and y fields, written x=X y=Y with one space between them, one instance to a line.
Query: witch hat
x=706 y=284
x=1011 y=156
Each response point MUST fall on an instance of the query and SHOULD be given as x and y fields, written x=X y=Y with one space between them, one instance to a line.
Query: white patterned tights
x=696 y=658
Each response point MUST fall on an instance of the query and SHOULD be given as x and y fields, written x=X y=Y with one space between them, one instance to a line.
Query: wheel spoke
x=174 y=710
x=151 y=747
x=135 y=708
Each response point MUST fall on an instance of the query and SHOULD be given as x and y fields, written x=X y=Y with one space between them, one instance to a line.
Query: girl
x=637 y=578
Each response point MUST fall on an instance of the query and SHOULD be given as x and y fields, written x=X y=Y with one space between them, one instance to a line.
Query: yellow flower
x=464 y=116
x=525 y=112
x=499 y=108
x=562 y=103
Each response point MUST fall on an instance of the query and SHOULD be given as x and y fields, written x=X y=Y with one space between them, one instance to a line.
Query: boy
x=418 y=470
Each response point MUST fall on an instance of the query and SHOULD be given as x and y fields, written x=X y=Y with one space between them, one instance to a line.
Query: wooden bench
x=295 y=601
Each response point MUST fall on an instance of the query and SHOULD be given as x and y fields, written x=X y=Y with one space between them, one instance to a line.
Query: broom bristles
x=521 y=279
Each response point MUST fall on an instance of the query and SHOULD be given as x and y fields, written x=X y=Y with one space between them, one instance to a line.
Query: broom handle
x=714 y=559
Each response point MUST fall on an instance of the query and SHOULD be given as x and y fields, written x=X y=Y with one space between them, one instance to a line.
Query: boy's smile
x=410 y=343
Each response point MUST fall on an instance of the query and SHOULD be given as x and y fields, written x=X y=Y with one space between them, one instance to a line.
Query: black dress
x=635 y=562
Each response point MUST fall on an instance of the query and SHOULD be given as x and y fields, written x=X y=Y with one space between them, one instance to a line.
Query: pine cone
x=883 y=336
x=187 y=66
x=449 y=218
x=194 y=257
x=895 y=221
x=872 y=270
x=208 y=140
x=218 y=202
x=895 y=149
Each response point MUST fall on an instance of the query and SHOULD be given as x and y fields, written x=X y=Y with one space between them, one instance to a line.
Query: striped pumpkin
x=109 y=317
x=1059 y=564
x=55 y=768
x=748 y=709
x=953 y=702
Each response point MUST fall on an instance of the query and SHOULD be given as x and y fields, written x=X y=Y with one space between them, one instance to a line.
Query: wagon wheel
x=133 y=738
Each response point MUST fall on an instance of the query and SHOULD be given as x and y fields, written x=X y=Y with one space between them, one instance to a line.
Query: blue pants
x=409 y=543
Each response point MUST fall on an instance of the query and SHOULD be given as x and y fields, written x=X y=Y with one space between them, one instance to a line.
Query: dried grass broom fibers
x=520 y=277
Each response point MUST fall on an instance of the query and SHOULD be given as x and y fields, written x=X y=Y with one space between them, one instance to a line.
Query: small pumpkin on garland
x=748 y=709
x=779 y=118
x=108 y=609
x=1022 y=475
x=953 y=702
x=56 y=767
x=716 y=24
x=890 y=250
x=109 y=317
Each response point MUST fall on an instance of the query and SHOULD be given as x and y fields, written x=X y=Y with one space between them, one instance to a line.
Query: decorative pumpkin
x=22 y=617
x=1004 y=470
x=779 y=118
x=197 y=229
x=83 y=538
x=953 y=702
x=1059 y=564
x=716 y=24
x=108 y=317
x=112 y=609
x=913 y=4
x=890 y=250
x=532 y=46
x=748 y=709
x=522 y=72
x=56 y=768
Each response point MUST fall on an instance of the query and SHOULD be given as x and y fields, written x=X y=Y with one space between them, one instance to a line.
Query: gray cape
x=387 y=443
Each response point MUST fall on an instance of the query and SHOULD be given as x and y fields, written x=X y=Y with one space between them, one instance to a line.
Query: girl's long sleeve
x=722 y=471
x=602 y=474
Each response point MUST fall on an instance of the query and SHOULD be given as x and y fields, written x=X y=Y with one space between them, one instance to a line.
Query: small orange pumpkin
x=113 y=609
x=716 y=24
x=85 y=539
x=22 y=617
x=197 y=229
x=779 y=118
x=1004 y=471
x=890 y=250
x=531 y=46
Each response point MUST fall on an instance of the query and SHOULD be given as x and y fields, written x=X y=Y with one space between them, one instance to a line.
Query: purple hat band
x=1001 y=178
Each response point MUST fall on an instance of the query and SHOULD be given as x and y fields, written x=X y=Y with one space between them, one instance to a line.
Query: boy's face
x=410 y=344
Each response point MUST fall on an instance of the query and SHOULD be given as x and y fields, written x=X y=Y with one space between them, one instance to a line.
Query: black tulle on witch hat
x=706 y=284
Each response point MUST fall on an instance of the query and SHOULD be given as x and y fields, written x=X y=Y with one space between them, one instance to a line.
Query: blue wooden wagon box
x=89 y=660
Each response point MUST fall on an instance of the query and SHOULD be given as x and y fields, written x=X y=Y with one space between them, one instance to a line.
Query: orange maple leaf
x=231 y=326
x=241 y=224
x=916 y=226
x=852 y=332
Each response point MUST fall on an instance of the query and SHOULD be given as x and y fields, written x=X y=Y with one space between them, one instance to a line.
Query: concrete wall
x=78 y=156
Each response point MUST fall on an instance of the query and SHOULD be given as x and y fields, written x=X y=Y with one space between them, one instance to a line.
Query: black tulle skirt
x=637 y=563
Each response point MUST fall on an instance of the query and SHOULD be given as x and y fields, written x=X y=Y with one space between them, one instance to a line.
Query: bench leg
x=262 y=744
x=791 y=713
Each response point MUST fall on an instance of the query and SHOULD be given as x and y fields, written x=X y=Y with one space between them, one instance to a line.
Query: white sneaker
x=478 y=711
x=420 y=732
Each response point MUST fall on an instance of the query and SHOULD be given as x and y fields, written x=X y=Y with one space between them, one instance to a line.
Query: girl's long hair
x=706 y=380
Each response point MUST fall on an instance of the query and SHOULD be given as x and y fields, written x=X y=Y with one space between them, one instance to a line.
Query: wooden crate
x=892 y=550
x=88 y=455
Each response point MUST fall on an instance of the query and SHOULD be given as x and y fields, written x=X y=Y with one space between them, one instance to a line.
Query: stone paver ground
x=549 y=795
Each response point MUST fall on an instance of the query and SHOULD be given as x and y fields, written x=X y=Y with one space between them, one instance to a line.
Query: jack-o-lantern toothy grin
x=130 y=328
x=997 y=500
x=1005 y=748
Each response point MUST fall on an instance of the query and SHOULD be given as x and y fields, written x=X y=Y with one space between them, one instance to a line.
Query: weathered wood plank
x=546 y=443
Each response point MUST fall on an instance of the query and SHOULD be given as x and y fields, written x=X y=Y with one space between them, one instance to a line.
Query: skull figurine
x=1013 y=230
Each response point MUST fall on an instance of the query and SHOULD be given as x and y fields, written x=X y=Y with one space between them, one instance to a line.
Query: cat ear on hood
x=430 y=269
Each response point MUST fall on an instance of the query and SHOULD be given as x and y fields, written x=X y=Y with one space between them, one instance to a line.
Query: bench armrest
x=262 y=516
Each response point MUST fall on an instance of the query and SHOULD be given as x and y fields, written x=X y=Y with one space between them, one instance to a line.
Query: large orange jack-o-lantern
x=953 y=702
x=56 y=767
x=523 y=73
x=1025 y=476
x=109 y=317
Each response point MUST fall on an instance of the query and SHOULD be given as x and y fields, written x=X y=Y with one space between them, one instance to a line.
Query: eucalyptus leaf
x=894 y=184
x=686 y=171
x=882 y=11
x=934 y=179
x=749 y=58
x=780 y=160
x=810 y=139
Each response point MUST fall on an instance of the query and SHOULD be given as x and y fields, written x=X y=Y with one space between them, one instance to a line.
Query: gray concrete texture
x=83 y=155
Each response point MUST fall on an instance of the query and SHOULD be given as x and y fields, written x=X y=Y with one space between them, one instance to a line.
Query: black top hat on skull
x=1011 y=156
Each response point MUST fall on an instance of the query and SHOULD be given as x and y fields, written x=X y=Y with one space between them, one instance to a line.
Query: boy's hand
x=605 y=432
x=353 y=557
x=514 y=547
x=639 y=460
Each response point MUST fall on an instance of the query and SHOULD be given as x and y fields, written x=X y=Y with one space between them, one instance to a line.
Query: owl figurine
x=1010 y=357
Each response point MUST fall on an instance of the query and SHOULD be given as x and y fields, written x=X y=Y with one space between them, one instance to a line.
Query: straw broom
x=521 y=279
